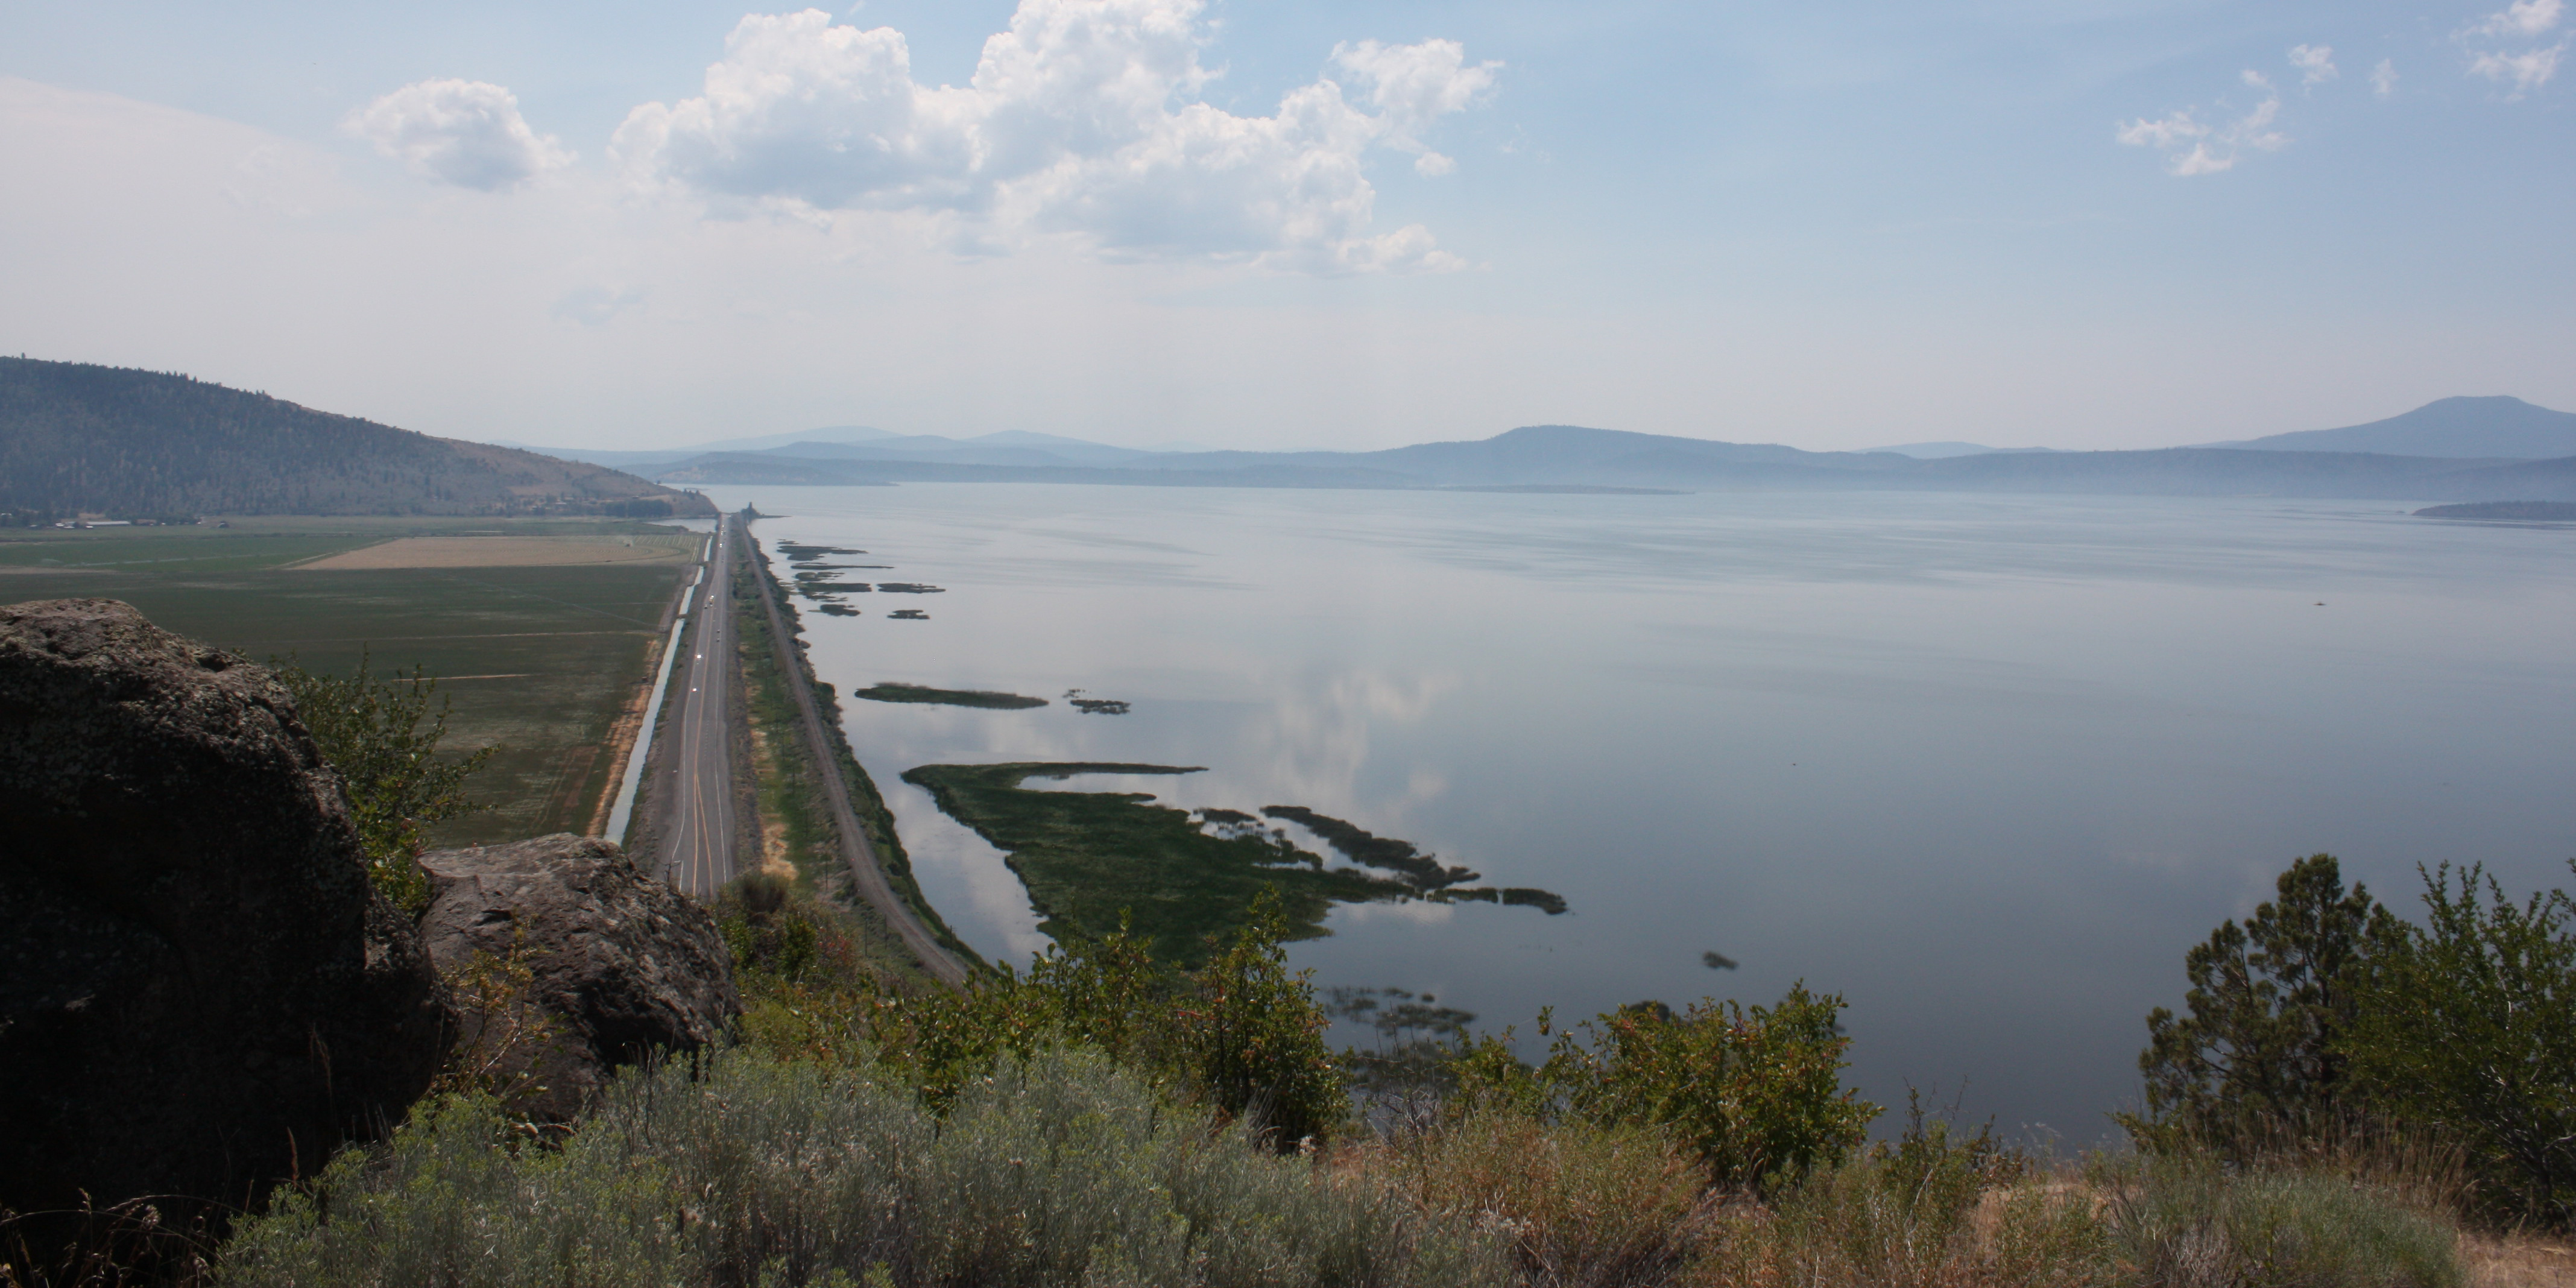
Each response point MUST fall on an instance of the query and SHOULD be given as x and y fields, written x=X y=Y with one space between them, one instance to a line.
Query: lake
x=1985 y=765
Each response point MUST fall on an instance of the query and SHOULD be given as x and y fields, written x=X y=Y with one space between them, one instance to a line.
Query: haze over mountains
x=2462 y=449
x=78 y=438
x=2496 y=426
x=82 y=439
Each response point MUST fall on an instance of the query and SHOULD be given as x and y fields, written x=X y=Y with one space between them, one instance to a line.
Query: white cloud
x=2165 y=133
x=2527 y=18
x=1414 y=85
x=2383 y=78
x=467 y=133
x=2214 y=149
x=2528 y=70
x=2315 y=63
x=1082 y=119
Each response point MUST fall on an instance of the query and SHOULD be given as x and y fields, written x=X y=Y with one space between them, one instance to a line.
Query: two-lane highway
x=698 y=802
x=701 y=798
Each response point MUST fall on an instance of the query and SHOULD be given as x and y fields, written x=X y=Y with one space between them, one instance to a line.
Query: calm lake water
x=1987 y=766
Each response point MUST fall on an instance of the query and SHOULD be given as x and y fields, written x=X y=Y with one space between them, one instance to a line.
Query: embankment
x=823 y=803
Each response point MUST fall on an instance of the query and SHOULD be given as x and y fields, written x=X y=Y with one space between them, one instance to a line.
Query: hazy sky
x=1248 y=223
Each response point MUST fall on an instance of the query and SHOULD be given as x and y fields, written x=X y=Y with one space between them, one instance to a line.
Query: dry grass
x=2518 y=1261
x=507 y=552
x=1576 y=1204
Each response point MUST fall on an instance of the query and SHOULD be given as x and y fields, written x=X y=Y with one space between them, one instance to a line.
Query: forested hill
x=77 y=438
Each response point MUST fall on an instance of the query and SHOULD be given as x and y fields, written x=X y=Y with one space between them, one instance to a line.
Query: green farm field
x=541 y=662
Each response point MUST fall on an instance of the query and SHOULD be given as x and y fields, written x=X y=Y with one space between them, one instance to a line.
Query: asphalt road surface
x=698 y=851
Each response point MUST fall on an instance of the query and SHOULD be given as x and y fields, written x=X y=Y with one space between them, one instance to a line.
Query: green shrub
x=1756 y=1093
x=1581 y=1206
x=1241 y=1034
x=2258 y=1054
x=2188 y=1220
x=776 y=936
x=371 y=732
x=2468 y=1028
x=1253 y=1037
x=1055 y=1170
x=1908 y=1213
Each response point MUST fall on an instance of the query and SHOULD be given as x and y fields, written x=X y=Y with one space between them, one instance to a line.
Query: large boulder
x=620 y=965
x=200 y=990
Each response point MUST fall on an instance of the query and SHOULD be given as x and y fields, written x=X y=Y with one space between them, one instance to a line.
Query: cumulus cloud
x=1082 y=118
x=2383 y=78
x=2315 y=63
x=1414 y=85
x=467 y=133
x=2527 y=68
x=2526 y=18
x=2213 y=149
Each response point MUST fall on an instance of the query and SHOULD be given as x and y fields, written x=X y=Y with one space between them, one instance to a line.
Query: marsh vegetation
x=1094 y=861
x=924 y=693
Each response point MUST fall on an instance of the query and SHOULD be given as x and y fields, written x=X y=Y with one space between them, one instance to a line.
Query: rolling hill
x=2456 y=427
x=76 y=438
x=1564 y=456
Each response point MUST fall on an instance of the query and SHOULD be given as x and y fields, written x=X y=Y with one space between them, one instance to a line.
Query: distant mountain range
x=77 y=438
x=862 y=443
x=2497 y=428
x=2475 y=427
x=2312 y=464
x=1943 y=450
x=81 y=439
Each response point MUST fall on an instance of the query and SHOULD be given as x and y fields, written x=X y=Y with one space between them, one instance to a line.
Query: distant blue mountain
x=1005 y=447
x=626 y=459
x=1945 y=450
x=1574 y=456
x=2495 y=428
x=2458 y=449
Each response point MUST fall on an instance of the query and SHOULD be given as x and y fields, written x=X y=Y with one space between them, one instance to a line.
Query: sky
x=1244 y=223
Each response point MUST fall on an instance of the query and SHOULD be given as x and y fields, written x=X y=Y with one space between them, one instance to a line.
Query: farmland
x=540 y=661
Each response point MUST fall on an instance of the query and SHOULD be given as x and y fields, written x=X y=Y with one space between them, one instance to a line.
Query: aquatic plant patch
x=1093 y=859
x=948 y=697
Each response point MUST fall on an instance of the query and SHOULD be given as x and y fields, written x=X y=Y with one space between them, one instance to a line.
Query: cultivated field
x=511 y=552
x=540 y=659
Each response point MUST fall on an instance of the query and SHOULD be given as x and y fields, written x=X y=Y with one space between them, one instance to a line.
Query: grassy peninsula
x=1093 y=859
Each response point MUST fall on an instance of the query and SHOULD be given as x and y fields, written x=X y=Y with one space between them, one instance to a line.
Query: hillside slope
x=78 y=438
x=2456 y=427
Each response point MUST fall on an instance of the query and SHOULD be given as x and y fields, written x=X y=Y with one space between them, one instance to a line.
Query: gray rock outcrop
x=623 y=964
x=200 y=990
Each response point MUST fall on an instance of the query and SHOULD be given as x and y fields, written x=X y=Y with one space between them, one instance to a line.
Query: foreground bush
x=2187 y=1221
x=1935 y=1211
x=2258 y=1054
x=372 y=733
x=2326 y=1019
x=1055 y=1170
x=1242 y=1034
x=1580 y=1206
x=2467 y=1028
x=1756 y=1093
x=1934 y=1207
